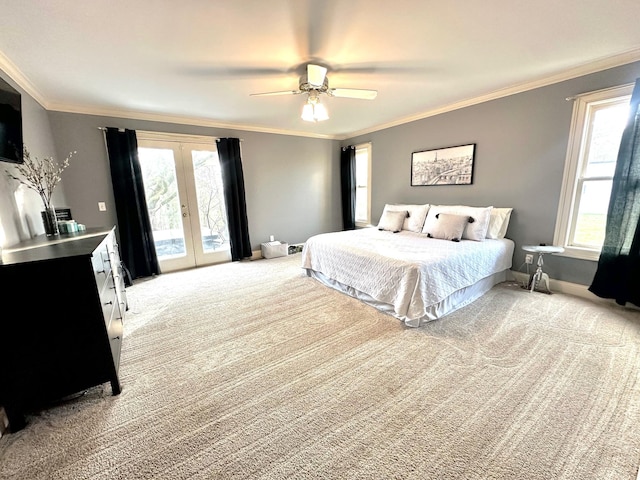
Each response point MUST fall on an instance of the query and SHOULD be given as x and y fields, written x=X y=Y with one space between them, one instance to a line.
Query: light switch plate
x=102 y=206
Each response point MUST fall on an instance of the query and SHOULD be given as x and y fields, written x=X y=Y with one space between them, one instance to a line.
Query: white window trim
x=175 y=137
x=366 y=146
x=577 y=144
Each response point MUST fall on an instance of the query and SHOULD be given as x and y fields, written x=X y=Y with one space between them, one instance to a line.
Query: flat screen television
x=10 y=124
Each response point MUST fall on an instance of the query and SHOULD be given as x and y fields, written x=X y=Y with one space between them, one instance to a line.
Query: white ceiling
x=198 y=61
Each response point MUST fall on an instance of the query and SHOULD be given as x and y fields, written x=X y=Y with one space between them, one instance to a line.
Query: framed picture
x=443 y=166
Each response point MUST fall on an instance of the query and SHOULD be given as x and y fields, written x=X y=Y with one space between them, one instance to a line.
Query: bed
x=415 y=272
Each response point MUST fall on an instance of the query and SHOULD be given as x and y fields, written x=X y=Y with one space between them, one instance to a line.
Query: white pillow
x=448 y=226
x=417 y=214
x=477 y=230
x=499 y=222
x=392 y=220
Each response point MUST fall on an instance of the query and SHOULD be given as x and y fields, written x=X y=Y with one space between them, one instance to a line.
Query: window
x=363 y=184
x=596 y=129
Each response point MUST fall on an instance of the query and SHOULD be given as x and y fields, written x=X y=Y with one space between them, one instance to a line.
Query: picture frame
x=63 y=214
x=443 y=166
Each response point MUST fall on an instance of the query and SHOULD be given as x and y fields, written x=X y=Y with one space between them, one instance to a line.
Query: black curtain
x=234 y=196
x=618 y=273
x=348 y=186
x=134 y=227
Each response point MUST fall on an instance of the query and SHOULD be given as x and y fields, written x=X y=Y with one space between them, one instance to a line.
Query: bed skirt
x=453 y=302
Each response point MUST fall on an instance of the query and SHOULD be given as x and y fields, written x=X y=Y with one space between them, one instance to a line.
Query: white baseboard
x=569 y=288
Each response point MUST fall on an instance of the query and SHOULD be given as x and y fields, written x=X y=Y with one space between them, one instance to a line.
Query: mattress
x=406 y=274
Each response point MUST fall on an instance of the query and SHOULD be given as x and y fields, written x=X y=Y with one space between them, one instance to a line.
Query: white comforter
x=407 y=270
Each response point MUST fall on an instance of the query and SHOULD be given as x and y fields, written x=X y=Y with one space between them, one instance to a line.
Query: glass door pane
x=212 y=243
x=210 y=195
x=158 y=167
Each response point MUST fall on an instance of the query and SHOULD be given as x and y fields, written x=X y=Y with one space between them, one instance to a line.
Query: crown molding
x=177 y=119
x=8 y=67
x=23 y=82
x=582 y=70
x=588 y=68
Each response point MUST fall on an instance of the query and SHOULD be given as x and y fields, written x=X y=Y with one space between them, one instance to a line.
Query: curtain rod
x=120 y=129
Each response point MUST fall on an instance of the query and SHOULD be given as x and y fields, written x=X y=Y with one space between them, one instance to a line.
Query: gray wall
x=520 y=154
x=20 y=207
x=292 y=183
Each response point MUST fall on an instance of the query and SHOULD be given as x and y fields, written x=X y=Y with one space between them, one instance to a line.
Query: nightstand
x=539 y=276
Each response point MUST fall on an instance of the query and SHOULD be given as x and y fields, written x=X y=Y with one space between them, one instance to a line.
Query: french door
x=185 y=200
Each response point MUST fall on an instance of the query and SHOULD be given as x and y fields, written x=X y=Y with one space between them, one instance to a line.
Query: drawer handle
x=116 y=338
x=109 y=303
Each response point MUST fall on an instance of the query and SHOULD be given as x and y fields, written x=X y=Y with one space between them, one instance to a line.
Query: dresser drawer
x=109 y=300
x=115 y=338
x=101 y=265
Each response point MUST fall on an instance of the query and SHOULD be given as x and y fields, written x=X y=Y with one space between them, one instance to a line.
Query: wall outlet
x=528 y=258
x=102 y=206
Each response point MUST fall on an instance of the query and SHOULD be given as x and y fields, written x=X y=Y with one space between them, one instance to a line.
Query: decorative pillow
x=448 y=226
x=392 y=221
x=498 y=222
x=417 y=214
x=477 y=230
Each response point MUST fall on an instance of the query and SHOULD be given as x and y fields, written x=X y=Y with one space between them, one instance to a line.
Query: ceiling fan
x=314 y=83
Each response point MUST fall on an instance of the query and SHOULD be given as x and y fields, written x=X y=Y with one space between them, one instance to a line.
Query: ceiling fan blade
x=210 y=71
x=269 y=94
x=353 y=93
x=315 y=75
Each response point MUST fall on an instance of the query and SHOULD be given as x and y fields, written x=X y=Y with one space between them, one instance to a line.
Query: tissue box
x=274 y=249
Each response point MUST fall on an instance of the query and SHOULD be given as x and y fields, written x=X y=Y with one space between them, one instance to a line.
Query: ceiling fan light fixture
x=315 y=83
x=314 y=111
x=320 y=112
x=307 y=113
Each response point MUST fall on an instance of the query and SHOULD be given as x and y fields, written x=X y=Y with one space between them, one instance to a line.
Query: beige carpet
x=252 y=370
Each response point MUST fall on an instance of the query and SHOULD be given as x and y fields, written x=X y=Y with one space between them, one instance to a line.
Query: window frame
x=366 y=222
x=575 y=166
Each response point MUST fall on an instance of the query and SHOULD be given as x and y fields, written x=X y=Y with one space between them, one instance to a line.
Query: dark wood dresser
x=70 y=302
